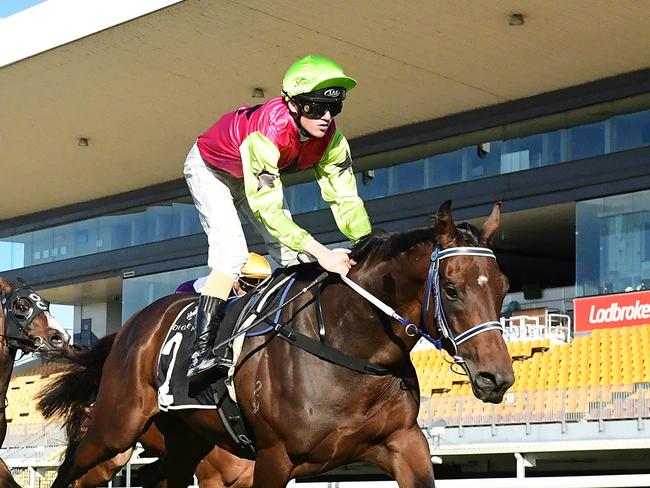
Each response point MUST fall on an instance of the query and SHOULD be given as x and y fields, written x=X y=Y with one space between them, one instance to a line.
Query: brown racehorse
x=25 y=325
x=307 y=415
x=71 y=395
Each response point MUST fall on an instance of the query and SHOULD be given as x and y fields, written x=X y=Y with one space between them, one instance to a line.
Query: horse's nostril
x=486 y=380
x=56 y=340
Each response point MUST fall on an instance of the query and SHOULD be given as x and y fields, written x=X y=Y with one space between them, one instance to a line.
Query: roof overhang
x=141 y=91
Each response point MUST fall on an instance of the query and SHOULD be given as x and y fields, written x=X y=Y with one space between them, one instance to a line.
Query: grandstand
x=572 y=395
x=32 y=447
x=21 y=407
x=604 y=375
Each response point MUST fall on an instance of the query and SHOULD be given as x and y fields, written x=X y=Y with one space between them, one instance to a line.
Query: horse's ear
x=491 y=225
x=445 y=227
x=5 y=286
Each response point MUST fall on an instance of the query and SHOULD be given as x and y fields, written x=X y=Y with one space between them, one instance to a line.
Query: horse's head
x=25 y=320
x=470 y=295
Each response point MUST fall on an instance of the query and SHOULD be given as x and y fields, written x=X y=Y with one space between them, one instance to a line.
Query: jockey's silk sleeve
x=264 y=191
x=339 y=189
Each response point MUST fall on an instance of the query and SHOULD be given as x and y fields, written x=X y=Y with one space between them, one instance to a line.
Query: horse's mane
x=391 y=244
x=470 y=233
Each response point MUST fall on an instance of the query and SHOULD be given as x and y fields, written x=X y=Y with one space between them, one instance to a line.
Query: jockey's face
x=314 y=127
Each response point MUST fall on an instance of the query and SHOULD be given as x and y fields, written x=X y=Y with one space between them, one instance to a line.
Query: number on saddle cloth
x=173 y=387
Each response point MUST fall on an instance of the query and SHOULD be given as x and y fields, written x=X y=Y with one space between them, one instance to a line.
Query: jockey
x=236 y=164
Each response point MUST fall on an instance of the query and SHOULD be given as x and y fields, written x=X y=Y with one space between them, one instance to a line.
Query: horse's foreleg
x=6 y=480
x=83 y=458
x=221 y=468
x=101 y=474
x=272 y=469
x=405 y=455
x=114 y=428
x=182 y=455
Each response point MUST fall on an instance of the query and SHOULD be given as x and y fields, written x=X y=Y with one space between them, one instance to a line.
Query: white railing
x=554 y=326
x=581 y=404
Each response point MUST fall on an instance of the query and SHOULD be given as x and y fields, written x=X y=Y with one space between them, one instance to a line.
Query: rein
x=296 y=338
x=432 y=289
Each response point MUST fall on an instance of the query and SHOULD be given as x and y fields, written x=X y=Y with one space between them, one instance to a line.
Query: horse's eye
x=21 y=308
x=451 y=291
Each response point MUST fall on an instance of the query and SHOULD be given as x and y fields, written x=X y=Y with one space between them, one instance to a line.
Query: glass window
x=179 y=218
x=444 y=169
x=373 y=184
x=139 y=226
x=12 y=255
x=140 y=291
x=587 y=141
x=305 y=197
x=612 y=243
x=631 y=130
x=407 y=177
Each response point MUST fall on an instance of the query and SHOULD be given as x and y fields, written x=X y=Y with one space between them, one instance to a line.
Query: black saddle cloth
x=174 y=389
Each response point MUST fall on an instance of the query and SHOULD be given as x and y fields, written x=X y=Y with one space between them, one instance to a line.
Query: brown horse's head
x=472 y=289
x=25 y=320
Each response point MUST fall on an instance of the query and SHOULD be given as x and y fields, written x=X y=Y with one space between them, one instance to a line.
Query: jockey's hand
x=336 y=261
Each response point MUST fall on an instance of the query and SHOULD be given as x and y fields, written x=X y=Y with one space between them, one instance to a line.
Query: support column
x=524 y=461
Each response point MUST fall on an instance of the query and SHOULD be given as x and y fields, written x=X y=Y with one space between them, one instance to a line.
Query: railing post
x=525 y=461
x=521 y=469
x=460 y=416
x=493 y=427
x=565 y=396
x=527 y=413
x=640 y=408
x=601 y=424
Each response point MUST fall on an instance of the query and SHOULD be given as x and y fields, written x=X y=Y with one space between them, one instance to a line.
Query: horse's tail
x=71 y=394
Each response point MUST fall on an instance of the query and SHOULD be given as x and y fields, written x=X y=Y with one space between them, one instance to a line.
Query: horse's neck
x=7 y=357
x=386 y=341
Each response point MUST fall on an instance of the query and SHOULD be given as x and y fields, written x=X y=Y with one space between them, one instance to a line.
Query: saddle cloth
x=173 y=363
x=174 y=389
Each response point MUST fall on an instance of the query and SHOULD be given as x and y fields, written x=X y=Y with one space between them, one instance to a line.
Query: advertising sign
x=608 y=311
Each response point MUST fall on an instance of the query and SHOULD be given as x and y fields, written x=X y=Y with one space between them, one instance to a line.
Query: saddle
x=256 y=313
x=175 y=392
x=265 y=297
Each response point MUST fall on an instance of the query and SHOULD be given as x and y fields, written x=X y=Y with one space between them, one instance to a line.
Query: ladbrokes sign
x=620 y=310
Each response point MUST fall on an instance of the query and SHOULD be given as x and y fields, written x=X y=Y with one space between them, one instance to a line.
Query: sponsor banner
x=608 y=311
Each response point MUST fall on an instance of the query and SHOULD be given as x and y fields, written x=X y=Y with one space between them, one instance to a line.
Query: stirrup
x=210 y=363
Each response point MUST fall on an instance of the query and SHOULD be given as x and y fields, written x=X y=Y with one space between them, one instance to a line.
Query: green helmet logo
x=314 y=73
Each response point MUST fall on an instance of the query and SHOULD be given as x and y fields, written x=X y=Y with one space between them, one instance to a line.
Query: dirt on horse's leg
x=101 y=474
x=406 y=456
x=6 y=480
x=272 y=468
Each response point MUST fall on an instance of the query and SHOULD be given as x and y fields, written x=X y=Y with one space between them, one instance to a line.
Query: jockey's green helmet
x=314 y=73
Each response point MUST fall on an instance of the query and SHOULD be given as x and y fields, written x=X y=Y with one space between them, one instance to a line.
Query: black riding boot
x=209 y=316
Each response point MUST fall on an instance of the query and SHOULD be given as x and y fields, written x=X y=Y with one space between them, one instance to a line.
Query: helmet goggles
x=315 y=104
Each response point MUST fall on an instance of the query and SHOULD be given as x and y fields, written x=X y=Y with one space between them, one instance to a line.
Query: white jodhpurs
x=217 y=197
